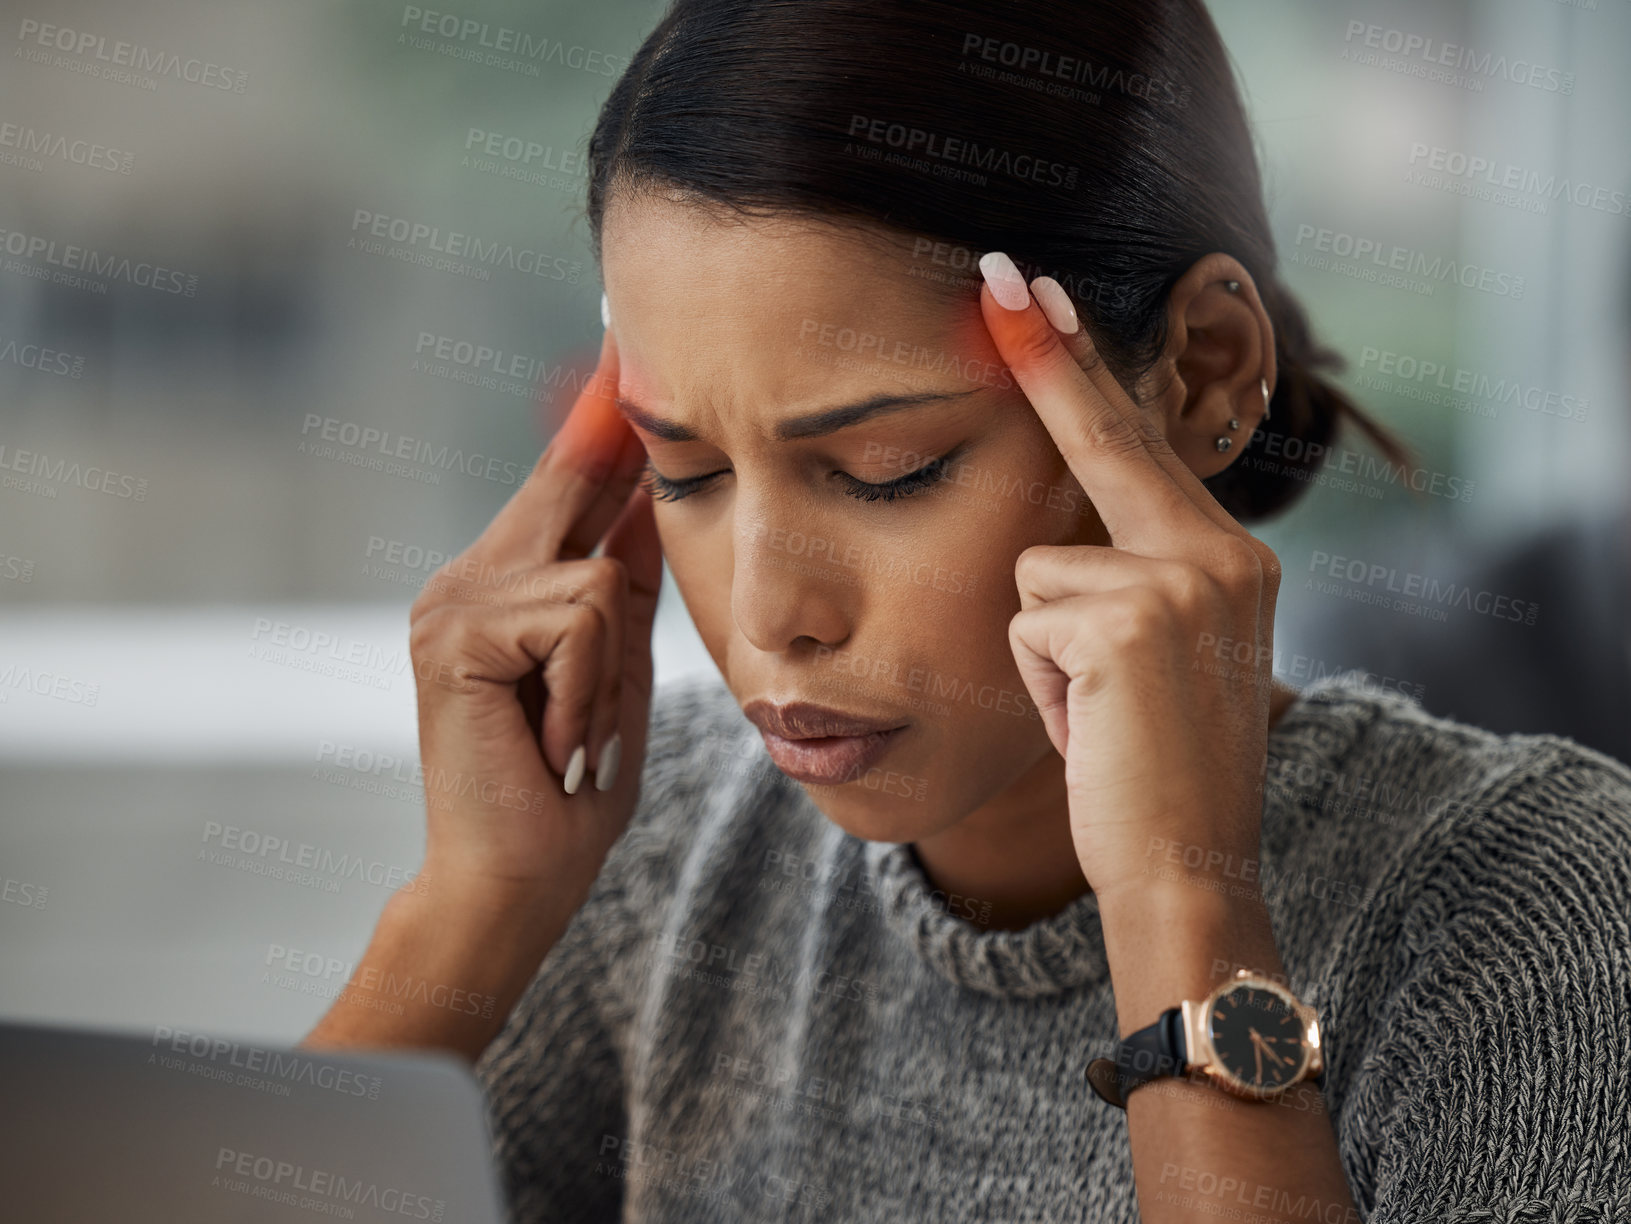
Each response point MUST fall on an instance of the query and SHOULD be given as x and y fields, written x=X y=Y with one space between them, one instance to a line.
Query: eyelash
x=663 y=489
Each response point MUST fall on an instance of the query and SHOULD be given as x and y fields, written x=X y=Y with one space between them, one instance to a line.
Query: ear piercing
x=1224 y=441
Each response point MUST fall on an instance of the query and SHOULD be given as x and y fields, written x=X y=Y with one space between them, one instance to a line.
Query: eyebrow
x=809 y=425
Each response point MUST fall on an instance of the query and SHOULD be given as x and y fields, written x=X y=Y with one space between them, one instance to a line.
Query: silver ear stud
x=1224 y=443
x=1265 y=385
x=1232 y=286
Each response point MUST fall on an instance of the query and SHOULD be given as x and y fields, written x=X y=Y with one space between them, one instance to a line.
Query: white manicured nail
x=1056 y=304
x=574 y=770
x=1007 y=285
x=605 y=311
x=610 y=755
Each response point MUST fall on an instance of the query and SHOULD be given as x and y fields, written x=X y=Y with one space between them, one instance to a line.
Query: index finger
x=578 y=486
x=1101 y=434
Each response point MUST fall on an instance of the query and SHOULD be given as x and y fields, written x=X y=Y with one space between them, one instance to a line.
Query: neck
x=1014 y=857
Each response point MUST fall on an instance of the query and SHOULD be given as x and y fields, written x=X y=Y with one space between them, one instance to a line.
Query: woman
x=999 y=774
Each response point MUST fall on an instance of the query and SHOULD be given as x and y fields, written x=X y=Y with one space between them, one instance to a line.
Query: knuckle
x=1028 y=566
x=1270 y=562
x=598 y=582
x=1238 y=564
x=1087 y=353
x=1127 y=619
x=1039 y=348
x=427 y=630
x=1112 y=434
x=1192 y=587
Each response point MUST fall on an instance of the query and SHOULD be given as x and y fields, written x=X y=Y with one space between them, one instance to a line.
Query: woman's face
x=894 y=610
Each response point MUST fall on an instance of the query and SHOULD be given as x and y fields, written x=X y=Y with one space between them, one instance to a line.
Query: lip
x=820 y=745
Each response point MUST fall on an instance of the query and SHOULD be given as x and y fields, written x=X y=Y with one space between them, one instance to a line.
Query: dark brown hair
x=1104 y=144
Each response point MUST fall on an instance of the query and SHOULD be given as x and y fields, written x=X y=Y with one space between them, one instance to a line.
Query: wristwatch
x=1250 y=1037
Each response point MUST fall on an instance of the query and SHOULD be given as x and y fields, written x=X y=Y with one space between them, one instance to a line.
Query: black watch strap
x=1153 y=1051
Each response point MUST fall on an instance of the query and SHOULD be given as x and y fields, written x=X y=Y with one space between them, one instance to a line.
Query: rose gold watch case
x=1202 y=1057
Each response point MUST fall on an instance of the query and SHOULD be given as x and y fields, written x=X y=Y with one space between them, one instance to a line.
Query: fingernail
x=610 y=755
x=574 y=770
x=605 y=311
x=1055 y=303
x=1007 y=285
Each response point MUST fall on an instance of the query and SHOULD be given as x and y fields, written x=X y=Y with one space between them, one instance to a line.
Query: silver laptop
x=188 y=1128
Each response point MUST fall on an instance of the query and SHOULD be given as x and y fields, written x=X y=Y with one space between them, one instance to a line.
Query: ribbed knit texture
x=756 y=1016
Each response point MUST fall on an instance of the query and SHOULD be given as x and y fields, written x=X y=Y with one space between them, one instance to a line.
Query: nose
x=790 y=590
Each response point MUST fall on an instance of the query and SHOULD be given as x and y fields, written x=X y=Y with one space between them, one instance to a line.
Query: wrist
x=1175 y=942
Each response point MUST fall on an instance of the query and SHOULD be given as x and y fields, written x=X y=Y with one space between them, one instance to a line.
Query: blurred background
x=292 y=296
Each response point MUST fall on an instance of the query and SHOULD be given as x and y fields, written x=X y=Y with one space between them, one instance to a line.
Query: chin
x=875 y=817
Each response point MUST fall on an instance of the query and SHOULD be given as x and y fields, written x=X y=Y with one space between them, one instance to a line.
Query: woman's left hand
x=1132 y=650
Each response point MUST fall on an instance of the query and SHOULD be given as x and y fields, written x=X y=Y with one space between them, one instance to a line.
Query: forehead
x=776 y=313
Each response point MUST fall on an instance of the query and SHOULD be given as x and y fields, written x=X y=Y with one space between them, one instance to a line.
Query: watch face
x=1258 y=1037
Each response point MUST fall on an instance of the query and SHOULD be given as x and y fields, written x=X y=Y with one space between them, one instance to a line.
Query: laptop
x=189 y=1127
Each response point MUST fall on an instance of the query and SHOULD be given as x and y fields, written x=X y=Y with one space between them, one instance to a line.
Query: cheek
x=701 y=570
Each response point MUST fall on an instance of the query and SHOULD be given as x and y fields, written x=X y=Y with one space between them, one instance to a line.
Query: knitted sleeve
x=553 y=1078
x=1497 y=1084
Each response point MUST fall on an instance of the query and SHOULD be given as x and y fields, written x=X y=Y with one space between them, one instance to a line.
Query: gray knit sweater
x=756 y=1016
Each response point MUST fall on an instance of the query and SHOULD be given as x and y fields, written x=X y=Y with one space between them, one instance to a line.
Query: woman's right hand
x=525 y=648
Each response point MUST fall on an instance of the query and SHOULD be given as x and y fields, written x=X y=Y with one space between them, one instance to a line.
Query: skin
x=1099 y=611
x=993 y=823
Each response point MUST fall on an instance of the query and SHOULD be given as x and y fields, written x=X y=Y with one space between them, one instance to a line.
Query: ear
x=1220 y=350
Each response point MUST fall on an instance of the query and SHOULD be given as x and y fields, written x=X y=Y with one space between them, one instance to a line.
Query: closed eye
x=662 y=488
